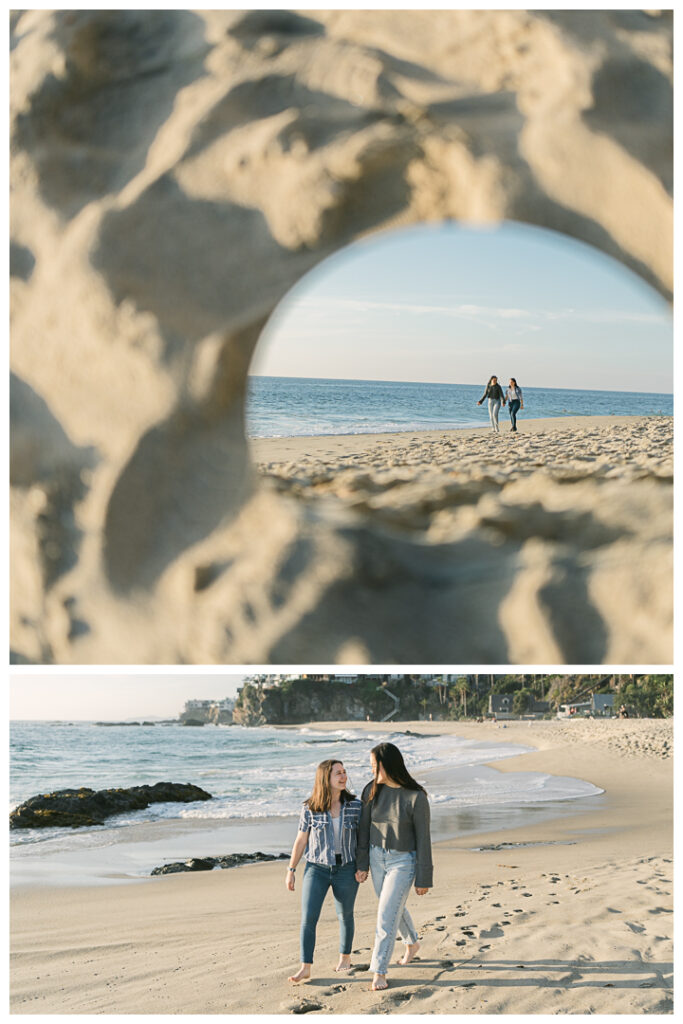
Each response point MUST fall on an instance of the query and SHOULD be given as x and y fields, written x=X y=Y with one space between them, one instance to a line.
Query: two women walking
x=342 y=839
x=496 y=398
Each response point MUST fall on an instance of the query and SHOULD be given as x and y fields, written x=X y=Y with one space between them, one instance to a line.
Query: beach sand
x=566 y=448
x=552 y=545
x=577 y=921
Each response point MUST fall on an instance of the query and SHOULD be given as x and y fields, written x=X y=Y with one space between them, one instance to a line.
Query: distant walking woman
x=327 y=836
x=394 y=841
x=515 y=399
x=494 y=393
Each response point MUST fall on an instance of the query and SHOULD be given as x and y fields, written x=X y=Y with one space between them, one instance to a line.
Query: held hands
x=421 y=892
x=361 y=876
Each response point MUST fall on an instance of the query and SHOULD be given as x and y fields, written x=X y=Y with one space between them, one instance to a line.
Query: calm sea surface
x=308 y=407
x=258 y=779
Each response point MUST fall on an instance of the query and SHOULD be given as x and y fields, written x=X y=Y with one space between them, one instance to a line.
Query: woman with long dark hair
x=395 y=844
x=496 y=398
x=327 y=836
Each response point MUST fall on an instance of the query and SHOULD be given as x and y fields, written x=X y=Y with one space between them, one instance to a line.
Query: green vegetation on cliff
x=305 y=700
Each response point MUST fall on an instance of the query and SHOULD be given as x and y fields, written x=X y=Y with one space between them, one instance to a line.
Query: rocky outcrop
x=230 y=860
x=75 y=808
x=306 y=700
x=206 y=716
x=174 y=174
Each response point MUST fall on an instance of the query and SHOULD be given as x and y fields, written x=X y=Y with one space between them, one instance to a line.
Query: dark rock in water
x=74 y=808
x=116 y=723
x=192 y=721
x=230 y=860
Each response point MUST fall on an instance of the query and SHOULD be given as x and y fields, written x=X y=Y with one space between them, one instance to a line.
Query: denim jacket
x=318 y=824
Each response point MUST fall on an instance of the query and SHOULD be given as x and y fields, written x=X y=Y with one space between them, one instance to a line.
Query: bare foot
x=379 y=982
x=302 y=975
x=409 y=954
x=344 y=963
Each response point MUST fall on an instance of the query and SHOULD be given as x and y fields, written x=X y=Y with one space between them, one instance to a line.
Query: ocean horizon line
x=445 y=384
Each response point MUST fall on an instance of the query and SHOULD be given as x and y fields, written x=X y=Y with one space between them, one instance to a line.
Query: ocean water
x=309 y=407
x=258 y=779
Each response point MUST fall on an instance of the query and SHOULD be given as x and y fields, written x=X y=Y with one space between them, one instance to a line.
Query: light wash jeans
x=494 y=409
x=393 y=874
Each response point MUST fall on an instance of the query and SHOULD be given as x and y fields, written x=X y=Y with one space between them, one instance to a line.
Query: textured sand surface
x=174 y=174
x=576 y=918
x=562 y=531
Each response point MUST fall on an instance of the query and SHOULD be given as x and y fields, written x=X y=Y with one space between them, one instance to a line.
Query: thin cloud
x=483 y=314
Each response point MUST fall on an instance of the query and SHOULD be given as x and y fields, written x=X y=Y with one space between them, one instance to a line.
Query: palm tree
x=461 y=688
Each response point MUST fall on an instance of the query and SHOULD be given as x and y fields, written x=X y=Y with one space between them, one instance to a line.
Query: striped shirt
x=318 y=824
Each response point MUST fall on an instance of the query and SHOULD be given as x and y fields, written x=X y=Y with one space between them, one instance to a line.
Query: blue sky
x=64 y=697
x=455 y=305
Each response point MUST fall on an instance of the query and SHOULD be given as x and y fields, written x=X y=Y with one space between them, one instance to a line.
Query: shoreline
x=588 y=914
x=115 y=853
x=357 y=443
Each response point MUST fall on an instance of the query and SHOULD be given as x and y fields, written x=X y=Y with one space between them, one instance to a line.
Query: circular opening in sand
x=404 y=331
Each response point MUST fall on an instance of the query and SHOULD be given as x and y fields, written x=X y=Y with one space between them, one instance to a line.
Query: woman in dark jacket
x=394 y=843
x=494 y=393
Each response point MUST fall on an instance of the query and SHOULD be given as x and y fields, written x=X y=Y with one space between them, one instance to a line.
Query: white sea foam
x=261 y=773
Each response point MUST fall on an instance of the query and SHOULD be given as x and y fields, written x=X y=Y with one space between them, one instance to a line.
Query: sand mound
x=173 y=175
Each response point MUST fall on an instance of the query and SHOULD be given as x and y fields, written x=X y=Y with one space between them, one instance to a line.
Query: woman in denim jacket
x=328 y=830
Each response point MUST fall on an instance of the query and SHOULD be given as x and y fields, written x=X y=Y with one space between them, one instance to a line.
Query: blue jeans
x=393 y=874
x=318 y=878
x=494 y=409
x=514 y=409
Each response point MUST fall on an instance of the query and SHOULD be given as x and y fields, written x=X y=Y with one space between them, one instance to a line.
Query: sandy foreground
x=552 y=545
x=577 y=918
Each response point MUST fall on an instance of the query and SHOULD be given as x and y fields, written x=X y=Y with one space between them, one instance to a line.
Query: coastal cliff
x=410 y=697
x=305 y=700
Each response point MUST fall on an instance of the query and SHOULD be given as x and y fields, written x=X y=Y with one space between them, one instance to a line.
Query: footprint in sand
x=308 y=1006
x=494 y=932
x=423 y=993
x=398 y=997
x=638 y=928
x=661 y=910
